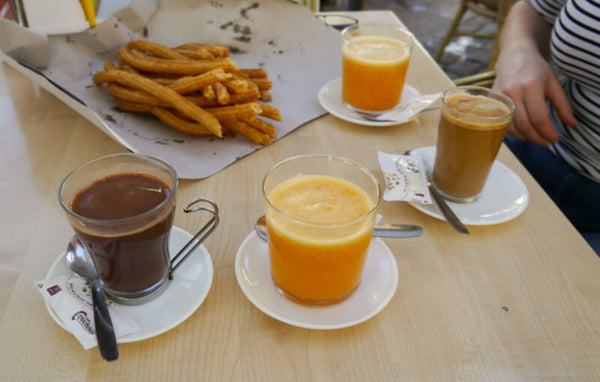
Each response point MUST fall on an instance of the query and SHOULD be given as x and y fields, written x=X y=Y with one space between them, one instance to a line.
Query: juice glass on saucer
x=375 y=60
x=320 y=213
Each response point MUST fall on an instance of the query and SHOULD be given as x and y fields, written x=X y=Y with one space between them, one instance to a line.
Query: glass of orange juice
x=320 y=213
x=375 y=60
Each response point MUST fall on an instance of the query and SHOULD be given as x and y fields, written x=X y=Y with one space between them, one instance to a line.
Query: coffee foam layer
x=480 y=111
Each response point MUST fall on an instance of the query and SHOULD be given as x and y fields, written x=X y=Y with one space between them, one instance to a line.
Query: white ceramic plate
x=330 y=97
x=504 y=196
x=185 y=293
x=378 y=285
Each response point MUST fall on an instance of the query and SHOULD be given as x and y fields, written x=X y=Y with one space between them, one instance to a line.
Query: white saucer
x=330 y=97
x=378 y=285
x=504 y=196
x=184 y=294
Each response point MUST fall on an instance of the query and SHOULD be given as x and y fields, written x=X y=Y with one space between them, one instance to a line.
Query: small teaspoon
x=80 y=262
x=444 y=208
x=381 y=230
x=375 y=117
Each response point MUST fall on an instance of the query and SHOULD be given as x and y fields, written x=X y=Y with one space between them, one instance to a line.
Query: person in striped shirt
x=549 y=64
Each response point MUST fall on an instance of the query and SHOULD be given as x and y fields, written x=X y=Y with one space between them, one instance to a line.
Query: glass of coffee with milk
x=473 y=123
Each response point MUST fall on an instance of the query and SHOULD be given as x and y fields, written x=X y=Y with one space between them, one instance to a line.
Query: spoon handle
x=447 y=211
x=397 y=230
x=105 y=333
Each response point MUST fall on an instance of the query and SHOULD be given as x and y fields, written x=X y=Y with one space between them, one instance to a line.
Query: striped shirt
x=575 y=46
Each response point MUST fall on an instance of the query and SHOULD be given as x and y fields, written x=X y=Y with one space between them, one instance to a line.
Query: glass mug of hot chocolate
x=473 y=123
x=121 y=208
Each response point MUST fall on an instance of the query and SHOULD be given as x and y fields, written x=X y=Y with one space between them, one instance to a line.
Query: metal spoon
x=375 y=117
x=80 y=262
x=381 y=230
x=450 y=216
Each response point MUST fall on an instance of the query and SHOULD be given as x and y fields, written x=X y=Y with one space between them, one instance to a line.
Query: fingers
x=538 y=128
x=531 y=115
x=560 y=102
x=532 y=120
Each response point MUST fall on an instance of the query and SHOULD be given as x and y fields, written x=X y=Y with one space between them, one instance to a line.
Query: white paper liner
x=299 y=51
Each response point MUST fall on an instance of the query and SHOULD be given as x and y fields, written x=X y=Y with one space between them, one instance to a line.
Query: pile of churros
x=194 y=88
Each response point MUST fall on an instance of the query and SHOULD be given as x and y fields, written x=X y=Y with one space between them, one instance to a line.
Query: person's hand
x=527 y=78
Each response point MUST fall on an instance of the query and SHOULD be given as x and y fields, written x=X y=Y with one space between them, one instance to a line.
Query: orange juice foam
x=373 y=72
x=319 y=263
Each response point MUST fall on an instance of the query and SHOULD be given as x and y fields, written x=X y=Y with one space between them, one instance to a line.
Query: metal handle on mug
x=200 y=204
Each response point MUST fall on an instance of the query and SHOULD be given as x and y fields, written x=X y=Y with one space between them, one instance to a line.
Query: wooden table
x=513 y=301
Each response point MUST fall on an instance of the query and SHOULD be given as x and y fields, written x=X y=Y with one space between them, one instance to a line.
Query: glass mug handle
x=200 y=204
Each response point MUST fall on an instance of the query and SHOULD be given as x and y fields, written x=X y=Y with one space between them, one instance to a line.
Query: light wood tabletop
x=516 y=301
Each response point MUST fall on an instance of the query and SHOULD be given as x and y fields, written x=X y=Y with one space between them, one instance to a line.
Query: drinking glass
x=473 y=123
x=128 y=245
x=375 y=60
x=320 y=213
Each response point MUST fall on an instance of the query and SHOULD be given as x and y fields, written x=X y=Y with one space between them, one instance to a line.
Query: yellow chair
x=493 y=9
x=313 y=5
x=485 y=79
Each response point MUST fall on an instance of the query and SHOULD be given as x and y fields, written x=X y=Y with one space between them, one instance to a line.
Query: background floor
x=429 y=21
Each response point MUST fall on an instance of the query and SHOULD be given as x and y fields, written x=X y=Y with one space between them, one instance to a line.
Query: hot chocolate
x=129 y=260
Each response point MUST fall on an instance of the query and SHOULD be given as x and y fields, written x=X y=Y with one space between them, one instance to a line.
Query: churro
x=194 y=88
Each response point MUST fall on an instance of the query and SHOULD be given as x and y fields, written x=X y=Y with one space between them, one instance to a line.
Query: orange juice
x=373 y=72
x=319 y=238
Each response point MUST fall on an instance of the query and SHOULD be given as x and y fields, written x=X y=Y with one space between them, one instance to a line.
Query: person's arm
x=523 y=73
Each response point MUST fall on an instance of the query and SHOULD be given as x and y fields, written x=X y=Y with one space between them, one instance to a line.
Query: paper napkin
x=407 y=110
x=51 y=17
x=405 y=178
x=70 y=298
